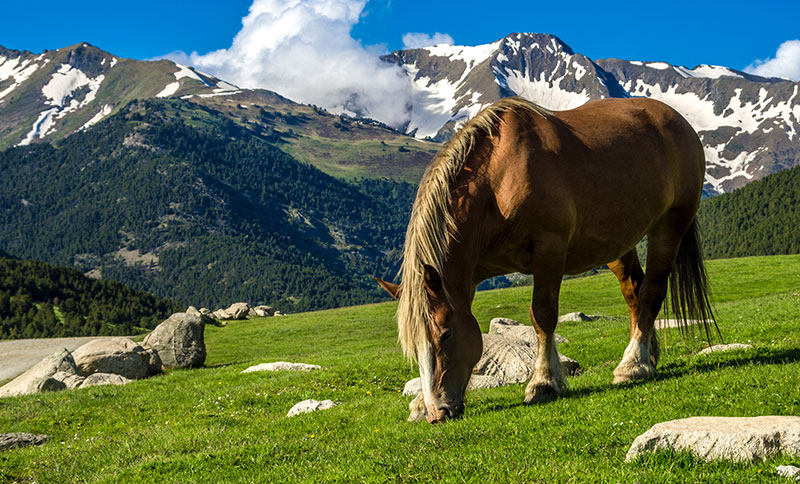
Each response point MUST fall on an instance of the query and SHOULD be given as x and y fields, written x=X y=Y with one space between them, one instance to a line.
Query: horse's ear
x=393 y=289
x=433 y=281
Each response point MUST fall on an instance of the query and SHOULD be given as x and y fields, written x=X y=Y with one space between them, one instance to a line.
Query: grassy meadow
x=216 y=424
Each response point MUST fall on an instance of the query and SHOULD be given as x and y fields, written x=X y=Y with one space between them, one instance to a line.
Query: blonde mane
x=431 y=227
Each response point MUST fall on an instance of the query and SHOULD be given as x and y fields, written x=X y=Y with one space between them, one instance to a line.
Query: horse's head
x=450 y=348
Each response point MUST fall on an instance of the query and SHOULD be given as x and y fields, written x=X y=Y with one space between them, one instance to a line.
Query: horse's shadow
x=667 y=372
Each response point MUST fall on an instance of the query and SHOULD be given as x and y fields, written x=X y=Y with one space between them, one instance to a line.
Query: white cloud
x=303 y=50
x=416 y=40
x=785 y=64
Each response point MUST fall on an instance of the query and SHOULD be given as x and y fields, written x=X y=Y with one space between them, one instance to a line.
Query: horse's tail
x=688 y=284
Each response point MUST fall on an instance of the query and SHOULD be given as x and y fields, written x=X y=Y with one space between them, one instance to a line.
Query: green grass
x=216 y=424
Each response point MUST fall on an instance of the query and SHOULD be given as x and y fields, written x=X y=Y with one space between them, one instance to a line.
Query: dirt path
x=16 y=356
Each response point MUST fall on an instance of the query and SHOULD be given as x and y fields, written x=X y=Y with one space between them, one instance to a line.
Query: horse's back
x=601 y=174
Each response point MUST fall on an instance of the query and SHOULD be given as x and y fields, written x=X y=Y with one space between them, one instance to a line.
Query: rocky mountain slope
x=749 y=125
x=46 y=97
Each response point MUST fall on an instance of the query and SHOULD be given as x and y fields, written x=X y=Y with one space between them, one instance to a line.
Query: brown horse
x=523 y=189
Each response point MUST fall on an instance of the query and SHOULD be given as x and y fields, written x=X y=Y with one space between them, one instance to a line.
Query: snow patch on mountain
x=60 y=92
x=15 y=68
x=707 y=71
x=169 y=89
x=98 y=117
x=471 y=55
x=546 y=93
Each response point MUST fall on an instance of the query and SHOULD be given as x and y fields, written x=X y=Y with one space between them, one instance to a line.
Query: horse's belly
x=587 y=254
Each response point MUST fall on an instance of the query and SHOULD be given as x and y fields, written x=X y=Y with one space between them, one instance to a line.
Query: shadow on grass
x=763 y=357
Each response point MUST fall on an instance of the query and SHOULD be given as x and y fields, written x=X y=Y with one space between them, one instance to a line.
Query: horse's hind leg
x=548 y=380
x=663 y=244
x=630 y=275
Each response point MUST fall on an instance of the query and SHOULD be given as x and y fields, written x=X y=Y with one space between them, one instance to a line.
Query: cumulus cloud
x=785 y=64
x=415 y=40
x=303 y=50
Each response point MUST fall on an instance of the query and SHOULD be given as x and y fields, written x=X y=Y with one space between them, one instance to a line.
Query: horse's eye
x=446 y=334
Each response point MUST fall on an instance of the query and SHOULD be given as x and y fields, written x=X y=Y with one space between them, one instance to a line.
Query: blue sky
x=732 y=33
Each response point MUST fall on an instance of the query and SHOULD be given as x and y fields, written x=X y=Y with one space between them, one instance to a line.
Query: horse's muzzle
x=445 y=412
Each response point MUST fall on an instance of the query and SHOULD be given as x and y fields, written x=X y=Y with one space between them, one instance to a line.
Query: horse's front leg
x=548 y=379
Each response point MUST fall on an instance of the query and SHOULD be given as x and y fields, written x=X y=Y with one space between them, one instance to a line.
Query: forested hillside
x=761 y=218
x=39 y=300
x=173 y=198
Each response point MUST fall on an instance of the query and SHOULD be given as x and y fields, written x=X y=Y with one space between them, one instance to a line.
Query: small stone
x=788 y=471
x=516 y=330
x=730 y=438
x=310 y=405
x=282 y=366
x=725 y=347
x=264 y=311
x=21 y=439
x=204 y=314
x=70 y=380
x=575 y=317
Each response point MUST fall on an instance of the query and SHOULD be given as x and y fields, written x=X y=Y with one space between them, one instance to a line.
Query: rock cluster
x=175 y=343
x=238 y=311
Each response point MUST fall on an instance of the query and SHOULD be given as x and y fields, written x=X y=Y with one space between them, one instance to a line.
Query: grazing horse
x=523 y=189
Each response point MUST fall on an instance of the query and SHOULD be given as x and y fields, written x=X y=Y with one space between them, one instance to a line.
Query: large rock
x=729 y=438
x=39 y=377
x=179 y=341
x=238 y=310
x=69 y=381
x=282 y=366
x=119 y=356
x=203 y=313
x=21 y=439
x=264 y=311
x=515 y=330
x=310 y=405
x=513 y=360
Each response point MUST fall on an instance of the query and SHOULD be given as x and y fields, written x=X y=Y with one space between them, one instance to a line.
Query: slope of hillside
x=47 y=97
x=762 y=218
x=749 y=125
x=216 y=424
x=175 y=198
x=38 y=300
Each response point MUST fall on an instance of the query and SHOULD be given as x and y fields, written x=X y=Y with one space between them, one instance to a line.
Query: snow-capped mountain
x=50 y=95
x=749 y=125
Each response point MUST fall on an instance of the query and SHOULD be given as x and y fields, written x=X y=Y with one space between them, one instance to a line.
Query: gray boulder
x=222 y=315
x=69 y=381
x=515 y=330
x=21 y=439
x=203 y=313
x=513 y=360
x=264 y=311
x=788 y=471
x=98 y=379
x=238 y=310
x=120 y=356
x=38 y=378
x=729 y=438
x=310 y=405
x=179 y=341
